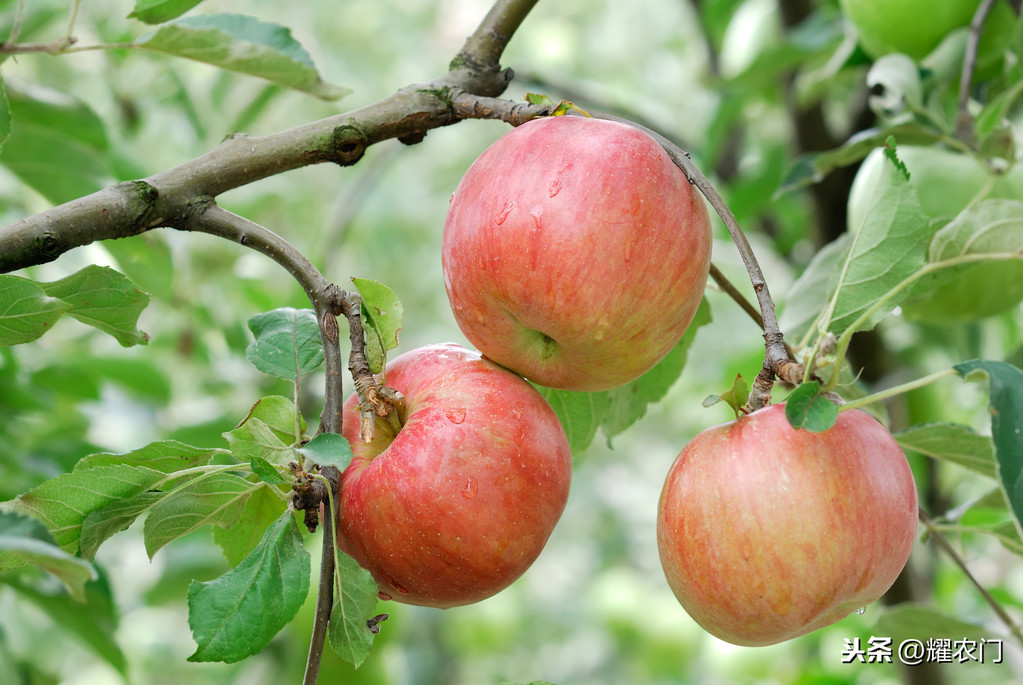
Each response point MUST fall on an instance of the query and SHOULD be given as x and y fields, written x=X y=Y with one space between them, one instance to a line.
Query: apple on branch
x=459 y=502
x=575 y=252
x=766 y=532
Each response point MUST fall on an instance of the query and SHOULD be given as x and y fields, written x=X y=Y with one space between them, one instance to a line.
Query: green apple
x=916 y=27
x=946 y=182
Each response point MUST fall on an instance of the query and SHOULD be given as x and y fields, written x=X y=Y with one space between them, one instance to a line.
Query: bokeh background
x=595 y=608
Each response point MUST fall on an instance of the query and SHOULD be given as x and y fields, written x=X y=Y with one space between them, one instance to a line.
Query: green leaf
x=166 y=456
x=5 y=115
x=328 y=449
x=57 y=144
x=24 y=540
x=287 y=343
x=628 y=404
x=266 y=472
x=62 y=503
x=919 y=622
x=105 y=299
x=159 y=11
x=1006 y=402
x=101 y=524
x=244 y=44
x=355 y=600
x=26 y=311
x=382 y=316
x=811 y=292
x=93 y=624
x=991 y=227
x=214 y=500
x=953 y=443
x=735 y=397
x=236 y=615
x=806 y=408
x=812 y=167
x=885 y=251
x=580 y=413
x=262 y=508
x=268 y=432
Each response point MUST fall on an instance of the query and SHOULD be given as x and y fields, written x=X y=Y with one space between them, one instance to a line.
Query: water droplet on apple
x=555 y=186
x=628 y=251
x=383 y=595
x=861 y=611
x=599 y=335
x=469 y=491
x=505 y=211
x=401 y=590
x=516 y=414
x=455 y=415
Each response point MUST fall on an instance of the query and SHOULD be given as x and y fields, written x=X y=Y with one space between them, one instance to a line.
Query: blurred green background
x=595 y=608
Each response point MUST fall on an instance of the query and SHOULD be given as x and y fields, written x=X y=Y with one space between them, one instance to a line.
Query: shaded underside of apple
x=462 y=499
x=767 y=533
x=575 y=252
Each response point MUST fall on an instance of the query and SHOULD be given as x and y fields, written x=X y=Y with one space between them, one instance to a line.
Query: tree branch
x=964 y=120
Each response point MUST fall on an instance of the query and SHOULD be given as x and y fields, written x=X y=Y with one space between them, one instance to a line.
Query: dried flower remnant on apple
x=575 y=252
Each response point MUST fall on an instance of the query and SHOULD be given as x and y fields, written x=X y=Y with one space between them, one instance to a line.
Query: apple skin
x=767 y=533
x=461 y=501
x=575 y=252
x=946 y=182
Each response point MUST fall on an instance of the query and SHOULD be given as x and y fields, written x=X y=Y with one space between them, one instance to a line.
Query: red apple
x=457 y=504
x=767 y=533
x=575 y=252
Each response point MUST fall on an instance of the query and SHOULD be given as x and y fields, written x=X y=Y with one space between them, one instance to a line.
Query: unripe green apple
x=575 y=252
x=459 y=502
x=946 y=182
x=916 y=27
x=766 y=532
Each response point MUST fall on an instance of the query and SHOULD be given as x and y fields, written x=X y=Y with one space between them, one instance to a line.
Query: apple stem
x=964 y=120
x=777 y=361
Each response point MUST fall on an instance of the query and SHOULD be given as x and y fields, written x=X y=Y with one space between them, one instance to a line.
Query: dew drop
x=383 y=595
x=555 y=186
x=628 y=251
x=516 y=414
x=599 y=335
x=469 y=491
x=505 y=211
x=861 y=611
x=401 y=590
x=455 y=415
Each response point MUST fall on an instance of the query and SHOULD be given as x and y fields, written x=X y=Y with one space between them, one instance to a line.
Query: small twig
x=324 y=600
x=948 y=549
x=733 y=292
x=469 y=106
x=375 y=399
x=964 y=120
x=776 y=357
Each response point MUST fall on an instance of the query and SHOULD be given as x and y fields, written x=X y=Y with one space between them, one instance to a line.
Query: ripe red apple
x=575 y=252
x=458 y=503
x=767 y=533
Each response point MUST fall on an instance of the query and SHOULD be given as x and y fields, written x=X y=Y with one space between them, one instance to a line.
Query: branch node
x=349 y=144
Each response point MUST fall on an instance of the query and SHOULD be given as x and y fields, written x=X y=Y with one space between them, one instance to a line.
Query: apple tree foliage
x=128 y=405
